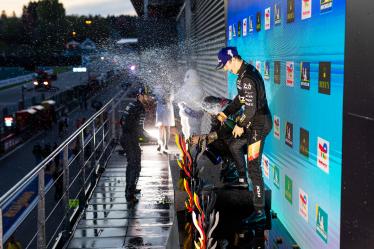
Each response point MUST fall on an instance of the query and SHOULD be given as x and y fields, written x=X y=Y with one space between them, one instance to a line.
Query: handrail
x=4 y=199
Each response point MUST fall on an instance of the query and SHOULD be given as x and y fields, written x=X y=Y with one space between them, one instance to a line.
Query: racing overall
x=132 y=128
x=256 y=121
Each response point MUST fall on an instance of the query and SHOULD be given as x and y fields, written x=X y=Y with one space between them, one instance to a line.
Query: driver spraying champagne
x=222 y=146
x=254 y=124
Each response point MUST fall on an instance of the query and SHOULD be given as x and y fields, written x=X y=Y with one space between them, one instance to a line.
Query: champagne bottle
x=225 y=131
x=229 y=124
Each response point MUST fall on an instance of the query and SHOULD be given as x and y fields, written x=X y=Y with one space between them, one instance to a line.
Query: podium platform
x=233 y=205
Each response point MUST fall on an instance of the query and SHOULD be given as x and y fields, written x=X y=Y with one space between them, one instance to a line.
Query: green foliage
x=44 y=29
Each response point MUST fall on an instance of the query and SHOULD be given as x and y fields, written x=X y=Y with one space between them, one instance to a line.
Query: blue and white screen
x=298 y=46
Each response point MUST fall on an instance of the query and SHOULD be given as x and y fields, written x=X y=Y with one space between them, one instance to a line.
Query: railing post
x=65 y=164
x=94 y=133
x=113 y=121
x=41 y=211
x=101 y=118
x=81 y=162
x=94 y=146
x=103 y=137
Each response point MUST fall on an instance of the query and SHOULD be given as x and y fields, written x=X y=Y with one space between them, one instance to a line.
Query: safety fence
x=41 y=210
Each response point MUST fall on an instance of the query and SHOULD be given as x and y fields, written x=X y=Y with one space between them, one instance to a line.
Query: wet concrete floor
x=110 y=222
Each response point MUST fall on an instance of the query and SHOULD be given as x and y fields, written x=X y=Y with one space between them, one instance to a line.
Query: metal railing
x=41 y=209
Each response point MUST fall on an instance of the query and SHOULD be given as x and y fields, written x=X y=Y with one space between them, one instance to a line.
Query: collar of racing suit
x=242 y=69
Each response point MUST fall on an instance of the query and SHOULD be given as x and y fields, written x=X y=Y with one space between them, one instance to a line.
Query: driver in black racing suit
x=256 y=120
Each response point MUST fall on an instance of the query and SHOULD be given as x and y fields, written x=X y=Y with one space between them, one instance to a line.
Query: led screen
x=298 y=46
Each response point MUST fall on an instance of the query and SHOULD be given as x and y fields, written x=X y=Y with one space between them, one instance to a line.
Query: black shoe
x=166 y=147
x=137 y=191
x=229 y=173
x=159 y=148
x=256 y=218
x=132 y=199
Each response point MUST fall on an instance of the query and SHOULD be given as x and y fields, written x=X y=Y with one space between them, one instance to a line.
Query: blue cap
x=226 y=54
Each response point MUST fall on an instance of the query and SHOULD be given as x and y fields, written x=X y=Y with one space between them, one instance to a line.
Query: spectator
x=46 y=150
x=61 y=128
x=38 y=154
x=164 y=117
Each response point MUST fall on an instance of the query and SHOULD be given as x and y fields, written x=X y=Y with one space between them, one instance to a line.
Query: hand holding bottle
x=237 y=131
x=221 y=117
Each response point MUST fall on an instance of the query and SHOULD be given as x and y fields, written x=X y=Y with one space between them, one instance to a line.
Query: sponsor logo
x=322 y=223
x=290 y=11
x=276 y=177
x=245 y=27
x=326 y=5
x=277 y=127
x=239 y=28
x=258 y=191
x=304 y=142
x=266 y=166
x=289 y=134
x=288 y=189
x=303 y=204
x=290 y=69
x=323 y=150
x=258 y=21
x=258 y=66
x=305 y=75
x=267 y=18
x=324 y=79
x=306 y=9
x=250 y=20
x=267 y=70
x=277 y=72
x=233 y=31
x=247 y=86
x=230 y=32
x=277 y=14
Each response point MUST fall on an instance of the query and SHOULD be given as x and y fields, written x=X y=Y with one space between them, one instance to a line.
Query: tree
x=11 y=28
x=51 y=25
x=3 y=14
x=29 y=21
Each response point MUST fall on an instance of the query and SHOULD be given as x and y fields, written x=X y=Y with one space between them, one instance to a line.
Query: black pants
x=130 y=145
x=236 y=148
x=258 y=132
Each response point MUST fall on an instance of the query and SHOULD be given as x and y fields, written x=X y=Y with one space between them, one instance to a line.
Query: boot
x=240 y=182
x=229 y=173
x=131 y=199
x=258 y=217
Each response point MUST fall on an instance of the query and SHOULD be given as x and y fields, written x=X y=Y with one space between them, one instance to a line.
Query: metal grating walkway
x=108 y=222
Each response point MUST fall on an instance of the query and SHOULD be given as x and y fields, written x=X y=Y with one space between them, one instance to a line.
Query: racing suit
x=231 y=150
x=256 y=120
x=132 y=128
